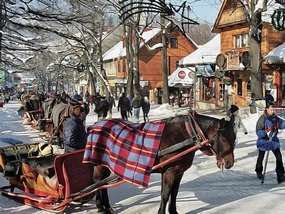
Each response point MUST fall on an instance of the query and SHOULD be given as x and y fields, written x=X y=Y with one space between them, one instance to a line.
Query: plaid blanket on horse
x=129 y=150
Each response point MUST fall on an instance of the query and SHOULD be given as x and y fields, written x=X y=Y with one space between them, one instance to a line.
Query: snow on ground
x=204 y=188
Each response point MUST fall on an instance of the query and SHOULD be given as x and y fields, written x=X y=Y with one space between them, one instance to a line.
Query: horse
x=103 y=105
x=221 y=142
x=32 y=106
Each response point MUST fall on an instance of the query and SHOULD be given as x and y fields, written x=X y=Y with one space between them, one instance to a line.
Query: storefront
x=181 y=86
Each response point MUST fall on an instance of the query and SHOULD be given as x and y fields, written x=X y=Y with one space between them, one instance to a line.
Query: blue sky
x=202 y=10
x=205 y=10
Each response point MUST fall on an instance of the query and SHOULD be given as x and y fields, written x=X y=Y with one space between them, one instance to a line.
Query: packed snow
x=204 y=188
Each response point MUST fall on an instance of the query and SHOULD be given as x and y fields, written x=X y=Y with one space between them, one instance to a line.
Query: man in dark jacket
x=268 y=97
x=267 y=129
x=74 y=134
x=145 y=108
x=124 y=105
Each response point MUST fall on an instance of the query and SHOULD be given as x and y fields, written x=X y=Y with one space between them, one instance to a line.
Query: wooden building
x=231 y=23
x=150 y=61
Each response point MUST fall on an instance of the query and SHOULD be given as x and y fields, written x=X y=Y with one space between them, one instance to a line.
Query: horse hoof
x=110 y=211
x=106 y=211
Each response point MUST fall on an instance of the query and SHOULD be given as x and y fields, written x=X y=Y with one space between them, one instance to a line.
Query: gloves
x=266 y=137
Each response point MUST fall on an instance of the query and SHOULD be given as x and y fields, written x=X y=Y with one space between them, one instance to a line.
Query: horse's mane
x=185 y=118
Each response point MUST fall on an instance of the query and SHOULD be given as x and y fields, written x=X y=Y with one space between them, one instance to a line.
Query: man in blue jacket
x=267 y=129
x=74 y=134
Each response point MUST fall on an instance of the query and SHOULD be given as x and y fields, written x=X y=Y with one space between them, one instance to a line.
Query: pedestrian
x=136 y=104
x=268 y=97
x=124 y=106
x=233 y=113
x=145 y=108
x=130 y=113
x=77 y=97
x=7 y=97
x=267 y=130
x=87 y=95
x=74 y=134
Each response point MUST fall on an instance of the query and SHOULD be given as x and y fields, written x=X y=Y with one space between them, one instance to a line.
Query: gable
x=231 y=13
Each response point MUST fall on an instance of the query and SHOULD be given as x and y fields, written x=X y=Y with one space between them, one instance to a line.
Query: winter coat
x=145 y=106
x=239 y=124
x=267 y=131
x=136 y=103
x=74 y=134
x=124 y=104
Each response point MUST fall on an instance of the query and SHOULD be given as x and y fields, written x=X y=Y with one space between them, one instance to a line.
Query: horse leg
x=102 y=198
x=174 y=192
x=167 y=183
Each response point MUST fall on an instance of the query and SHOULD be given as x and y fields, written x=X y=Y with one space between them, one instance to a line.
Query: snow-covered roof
x=206 y=54
x=118 y=50
x=276 y=56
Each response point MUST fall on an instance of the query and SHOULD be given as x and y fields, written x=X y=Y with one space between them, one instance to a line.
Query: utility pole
x=165 y=94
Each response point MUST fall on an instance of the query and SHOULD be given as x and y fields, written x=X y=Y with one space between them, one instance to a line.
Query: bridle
x=193 y=129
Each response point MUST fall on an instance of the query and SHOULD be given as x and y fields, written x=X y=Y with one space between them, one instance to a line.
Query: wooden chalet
x=150 y=61
x=231 y=23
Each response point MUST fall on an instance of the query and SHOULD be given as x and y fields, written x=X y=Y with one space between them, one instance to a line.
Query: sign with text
x=233 y=61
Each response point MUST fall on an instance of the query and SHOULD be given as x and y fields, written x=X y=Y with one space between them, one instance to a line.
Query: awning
x=182 y=77
x=205 y=70
x=276 y=56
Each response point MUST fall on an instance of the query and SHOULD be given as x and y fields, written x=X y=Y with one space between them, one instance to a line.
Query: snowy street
x=204 y=188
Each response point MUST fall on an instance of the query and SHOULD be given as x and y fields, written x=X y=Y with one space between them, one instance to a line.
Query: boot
x=259 y=175
x=280 y=178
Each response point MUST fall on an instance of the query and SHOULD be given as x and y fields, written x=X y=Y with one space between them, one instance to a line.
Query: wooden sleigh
x=70 y=179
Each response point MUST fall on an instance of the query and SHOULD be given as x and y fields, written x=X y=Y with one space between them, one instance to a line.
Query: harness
x=196 y=140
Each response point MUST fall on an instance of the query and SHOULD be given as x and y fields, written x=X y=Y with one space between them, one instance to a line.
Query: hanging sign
x=233 y=61
x=181 y=74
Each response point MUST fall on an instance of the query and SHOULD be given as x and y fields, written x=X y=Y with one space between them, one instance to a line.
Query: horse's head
x=221 y=136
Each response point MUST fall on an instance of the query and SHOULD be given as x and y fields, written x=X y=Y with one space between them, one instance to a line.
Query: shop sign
x=233 y=61
x=221 y=61
x=181 y=74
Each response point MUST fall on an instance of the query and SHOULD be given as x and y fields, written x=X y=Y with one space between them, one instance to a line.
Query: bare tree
x=79 y=22
x=253 y=11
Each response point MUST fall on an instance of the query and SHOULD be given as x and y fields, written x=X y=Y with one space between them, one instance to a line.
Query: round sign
x=245 y=59
x=221 y=60
x=190 y=75
x=181 y=74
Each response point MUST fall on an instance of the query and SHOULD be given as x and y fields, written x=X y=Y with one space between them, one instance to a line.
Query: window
x=173 y=42
x=241 y=40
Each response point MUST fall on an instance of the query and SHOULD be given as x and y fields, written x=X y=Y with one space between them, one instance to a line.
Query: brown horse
x=221 y=136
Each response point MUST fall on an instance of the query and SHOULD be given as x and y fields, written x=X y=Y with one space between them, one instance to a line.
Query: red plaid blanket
x=129 y=150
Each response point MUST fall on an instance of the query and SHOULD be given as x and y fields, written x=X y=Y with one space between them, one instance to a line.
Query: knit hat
x=268 y=104
x=233 y=109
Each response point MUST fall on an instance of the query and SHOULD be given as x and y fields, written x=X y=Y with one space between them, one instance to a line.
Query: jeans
x=137 y=114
